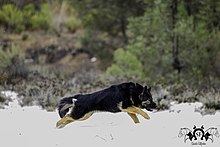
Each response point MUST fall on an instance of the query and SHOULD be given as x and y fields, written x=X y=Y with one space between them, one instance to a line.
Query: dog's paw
x=60 y=126
x=137 y=122
x=146 y=116
x=64 y=121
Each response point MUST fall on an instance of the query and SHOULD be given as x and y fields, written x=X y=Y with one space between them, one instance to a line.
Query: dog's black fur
x=111 y=99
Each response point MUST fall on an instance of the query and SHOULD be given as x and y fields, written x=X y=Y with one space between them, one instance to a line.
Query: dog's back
x=104 y=100
x=99 y=100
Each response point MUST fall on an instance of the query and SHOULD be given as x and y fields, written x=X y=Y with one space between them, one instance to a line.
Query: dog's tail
x=64 y=105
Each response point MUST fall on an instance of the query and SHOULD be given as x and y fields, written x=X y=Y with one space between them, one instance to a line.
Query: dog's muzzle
x=149 y=105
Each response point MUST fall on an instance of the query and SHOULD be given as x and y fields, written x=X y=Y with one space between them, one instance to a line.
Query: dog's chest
x=125 y=104
x=119 y=105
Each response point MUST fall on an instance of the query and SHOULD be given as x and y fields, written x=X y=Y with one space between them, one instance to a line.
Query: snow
x=34 y=127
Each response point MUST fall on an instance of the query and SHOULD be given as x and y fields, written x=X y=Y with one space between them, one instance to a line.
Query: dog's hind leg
x=134 y=117
x=135 y=110
x=68 y=119
x=64 y=121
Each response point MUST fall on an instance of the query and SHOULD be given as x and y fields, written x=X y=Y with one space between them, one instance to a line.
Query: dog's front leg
x=64 y=121
x=86 y=116
x=137 y=110
x=134 y=117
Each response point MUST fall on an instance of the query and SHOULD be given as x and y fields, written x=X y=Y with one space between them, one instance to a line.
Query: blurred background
x=55 y=48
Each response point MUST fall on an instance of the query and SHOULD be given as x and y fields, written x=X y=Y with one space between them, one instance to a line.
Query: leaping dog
x=125 y=97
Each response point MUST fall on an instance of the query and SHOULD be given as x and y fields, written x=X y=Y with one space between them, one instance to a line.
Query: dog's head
x=147 y=100
x=141 y=95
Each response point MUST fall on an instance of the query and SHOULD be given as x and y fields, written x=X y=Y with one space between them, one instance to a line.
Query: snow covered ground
x=34 y=127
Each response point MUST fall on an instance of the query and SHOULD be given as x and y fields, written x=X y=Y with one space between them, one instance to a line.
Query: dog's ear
x=147 y=89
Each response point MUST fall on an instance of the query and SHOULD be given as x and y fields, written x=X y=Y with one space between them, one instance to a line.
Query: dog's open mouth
x=148 y=109
x=154 y=107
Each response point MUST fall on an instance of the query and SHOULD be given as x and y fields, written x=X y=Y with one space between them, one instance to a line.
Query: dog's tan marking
x=136 y=110
x=134 y=117
x=64 y=121
x=86 y=116
x=131 y=100
x=68 y=119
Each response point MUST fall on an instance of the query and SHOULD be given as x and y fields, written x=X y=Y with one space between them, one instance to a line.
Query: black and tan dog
x=126 y=97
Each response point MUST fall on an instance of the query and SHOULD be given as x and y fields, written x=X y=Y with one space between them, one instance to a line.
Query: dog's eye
x=148 y=102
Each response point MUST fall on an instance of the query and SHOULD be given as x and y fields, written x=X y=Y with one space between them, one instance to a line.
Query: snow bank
x=33 y=127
